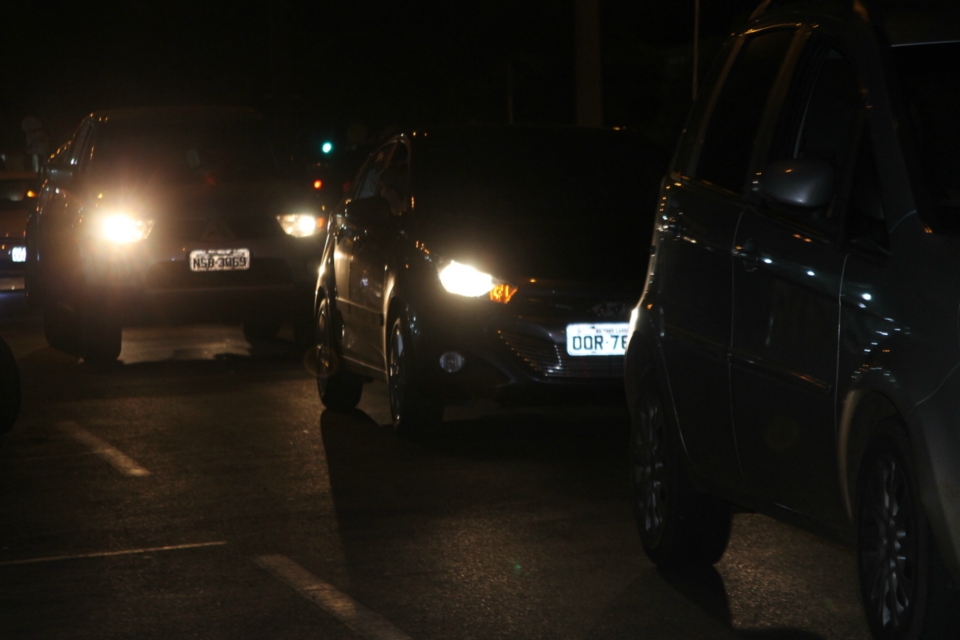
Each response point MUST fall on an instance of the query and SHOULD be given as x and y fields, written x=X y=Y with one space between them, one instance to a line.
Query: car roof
x=177 y=115
x=904 y=22
x=527 y=132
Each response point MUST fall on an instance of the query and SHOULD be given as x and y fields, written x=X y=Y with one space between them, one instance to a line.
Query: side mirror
x=800 y=182
x=373 y=210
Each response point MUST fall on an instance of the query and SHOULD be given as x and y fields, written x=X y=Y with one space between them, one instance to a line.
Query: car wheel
x=101 y=328
x=261 y=329
x=904 y=587
x=339 y=390
x=9 y=388
x=412 y=407
x=61 y=328
x=678 y=526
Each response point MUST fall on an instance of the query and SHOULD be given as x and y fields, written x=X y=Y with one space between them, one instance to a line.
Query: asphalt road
x=197 y=490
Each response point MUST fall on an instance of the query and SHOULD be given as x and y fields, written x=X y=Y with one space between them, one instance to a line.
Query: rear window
x=184 y=153
x=540 y=179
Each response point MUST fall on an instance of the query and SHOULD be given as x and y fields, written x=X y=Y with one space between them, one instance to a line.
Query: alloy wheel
x=396 y=372
x=888 y=544
x=648 y=466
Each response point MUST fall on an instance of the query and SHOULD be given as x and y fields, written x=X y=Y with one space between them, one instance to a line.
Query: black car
x=171 y=215
x=795 y=351
x=18 y=198
x=486 y=261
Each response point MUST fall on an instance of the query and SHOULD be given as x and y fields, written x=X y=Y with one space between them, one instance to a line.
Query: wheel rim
x=888 y=544
x=326 y=360
x=648 y=466
x=396 y=372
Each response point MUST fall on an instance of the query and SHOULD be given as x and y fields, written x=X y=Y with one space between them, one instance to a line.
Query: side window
x=80 y=146
x=368 y=183
x=822 y=111
x=728 y=143
x=865 y=225
x=393 y=179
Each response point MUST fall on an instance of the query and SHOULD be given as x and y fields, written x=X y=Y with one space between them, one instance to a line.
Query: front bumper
x=153 y=279
x=516 y=352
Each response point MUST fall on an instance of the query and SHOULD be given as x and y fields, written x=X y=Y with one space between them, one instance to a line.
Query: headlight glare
x=464 y=280
x=124 y=229
x=300 y=225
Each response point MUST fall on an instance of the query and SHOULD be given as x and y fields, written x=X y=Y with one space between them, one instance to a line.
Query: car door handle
x=748 y=254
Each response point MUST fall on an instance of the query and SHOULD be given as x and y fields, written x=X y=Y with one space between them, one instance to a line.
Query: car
x=795 y=350
x=18 y=197
x=171 y=214
x=492 y=262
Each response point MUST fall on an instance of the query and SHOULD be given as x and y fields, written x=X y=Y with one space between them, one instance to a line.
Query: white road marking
x=120 y=461
x=350 y=612
x=107 y=554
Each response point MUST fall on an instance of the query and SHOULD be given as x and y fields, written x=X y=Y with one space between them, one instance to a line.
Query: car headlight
x=300 y=225
x=124 y=229
x=464 y=280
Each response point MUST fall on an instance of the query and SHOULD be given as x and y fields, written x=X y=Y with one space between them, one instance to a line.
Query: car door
x=347 y=234
x=372 y=257
x=786 y=303
x=700 y=213
x=60 y=203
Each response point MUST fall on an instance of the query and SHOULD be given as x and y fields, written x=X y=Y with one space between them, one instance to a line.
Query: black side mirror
x=800 y=182
x=373 y=210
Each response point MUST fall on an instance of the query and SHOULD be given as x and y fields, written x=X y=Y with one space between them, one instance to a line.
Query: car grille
x=223 y=228
x=548 y=359
x=177 y=275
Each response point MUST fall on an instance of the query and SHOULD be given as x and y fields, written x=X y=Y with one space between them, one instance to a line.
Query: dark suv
x=171 y=214
x=796 y=351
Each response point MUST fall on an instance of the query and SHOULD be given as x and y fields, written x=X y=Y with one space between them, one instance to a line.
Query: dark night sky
x=321 y=66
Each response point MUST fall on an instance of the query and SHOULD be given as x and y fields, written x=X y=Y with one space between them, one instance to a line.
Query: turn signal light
x=502 y=293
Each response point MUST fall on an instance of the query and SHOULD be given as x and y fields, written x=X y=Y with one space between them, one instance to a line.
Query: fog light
x=451 y=362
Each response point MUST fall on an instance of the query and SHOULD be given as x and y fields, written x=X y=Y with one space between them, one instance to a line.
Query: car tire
x=261 y=329
x=413 y=408
x=339 y=390
x=102 y=338
x=9 y=388
x=61 y=328
x=905 y=589
x=678 y=526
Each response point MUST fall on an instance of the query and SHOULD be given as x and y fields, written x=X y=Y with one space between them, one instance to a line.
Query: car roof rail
x=767 y=6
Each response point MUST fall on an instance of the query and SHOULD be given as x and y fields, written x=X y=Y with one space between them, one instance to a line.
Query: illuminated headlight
x=124 y=229
x=464 y=280
x=300 y=225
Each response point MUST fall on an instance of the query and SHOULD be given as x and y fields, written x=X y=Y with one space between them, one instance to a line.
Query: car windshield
x=209 y=153
x=524 y=180
x=930 y=77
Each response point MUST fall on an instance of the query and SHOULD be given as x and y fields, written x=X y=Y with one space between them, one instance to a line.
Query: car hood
x=611 y=249
x=203 y=200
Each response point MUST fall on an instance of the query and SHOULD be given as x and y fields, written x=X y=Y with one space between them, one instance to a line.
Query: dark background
x=323 y=70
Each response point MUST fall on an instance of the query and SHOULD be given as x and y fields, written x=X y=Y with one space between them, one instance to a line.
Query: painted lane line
x=350 y=612
x=107 y=554
x=120 y=461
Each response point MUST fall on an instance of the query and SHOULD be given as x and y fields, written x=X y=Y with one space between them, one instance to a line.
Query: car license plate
x=607 y=339
x=219 y=260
